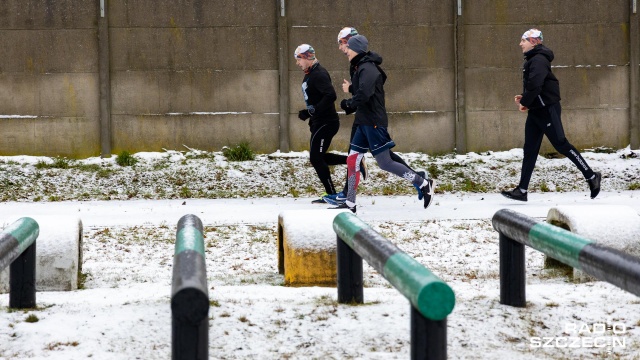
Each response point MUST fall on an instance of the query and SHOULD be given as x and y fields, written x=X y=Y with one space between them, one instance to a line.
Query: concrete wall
x=48 y=77
x=592 y=67
x=182 y=70
x=206 y=74
x=415 y=39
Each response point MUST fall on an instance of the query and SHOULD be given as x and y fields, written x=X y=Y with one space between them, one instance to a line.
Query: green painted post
x=431 y=298
x=428 y=293
x=189 y=292
x=18 y=251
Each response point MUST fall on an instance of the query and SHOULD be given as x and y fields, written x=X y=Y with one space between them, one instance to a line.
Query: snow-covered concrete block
x=614 y=226
x=58 y=254
x=307 y=247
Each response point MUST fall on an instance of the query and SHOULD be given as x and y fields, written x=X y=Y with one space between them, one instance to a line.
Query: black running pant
x=546 y=121
x=321 y=137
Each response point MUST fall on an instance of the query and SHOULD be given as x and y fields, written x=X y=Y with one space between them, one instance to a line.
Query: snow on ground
x=123 y=311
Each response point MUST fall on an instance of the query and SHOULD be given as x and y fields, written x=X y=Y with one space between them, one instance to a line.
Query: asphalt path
x=266 y=210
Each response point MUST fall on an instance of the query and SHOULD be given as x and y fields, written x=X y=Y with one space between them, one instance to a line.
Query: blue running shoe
x=423 y=175
x=335 y=199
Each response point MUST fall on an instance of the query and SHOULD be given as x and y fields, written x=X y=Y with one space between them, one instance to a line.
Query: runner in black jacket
x=343 y=37
x=367 y=87
x=541 y=99
x=324 y=123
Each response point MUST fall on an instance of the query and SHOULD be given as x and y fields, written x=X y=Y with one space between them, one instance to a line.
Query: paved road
x=266 y=210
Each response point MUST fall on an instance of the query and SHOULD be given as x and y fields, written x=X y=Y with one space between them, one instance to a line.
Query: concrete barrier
x=59 y=256
x=307 y=247
x=614 y=226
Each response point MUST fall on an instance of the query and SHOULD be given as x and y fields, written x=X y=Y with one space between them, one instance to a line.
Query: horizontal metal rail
x=431 y=298
x=602 y=262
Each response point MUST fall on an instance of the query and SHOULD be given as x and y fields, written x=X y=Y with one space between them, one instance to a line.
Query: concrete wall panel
x=68 y=95
x=204 y=132
x=19 y=94
x=191 y=13
x=183 y=49
x=59 y=95
x=47 y=14
x=74 y=137
x=492 y=89
x=160 y=92
x=591 y=128
x=539 y=12
x=594 y=87
x=366 y=15
x=572 y=44
x=48 y=51
x=493 y=130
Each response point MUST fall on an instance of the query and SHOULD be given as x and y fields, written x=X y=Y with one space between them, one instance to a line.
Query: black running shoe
x=428 y=192
x=594 y=184
x=345 y=206
x=423 y=175
x=320 y=200
x=515 y=194
x=363 y=169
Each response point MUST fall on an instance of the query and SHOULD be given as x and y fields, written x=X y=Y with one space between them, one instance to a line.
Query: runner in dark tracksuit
x=541 y=98
x=343 y=37
x=368 y=102
x=319 y=96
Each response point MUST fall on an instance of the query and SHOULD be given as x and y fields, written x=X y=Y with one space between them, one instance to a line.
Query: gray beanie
x=358 y=43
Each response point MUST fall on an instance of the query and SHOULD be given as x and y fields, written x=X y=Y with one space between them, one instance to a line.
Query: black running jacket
x=367 y=81
x=540 y=86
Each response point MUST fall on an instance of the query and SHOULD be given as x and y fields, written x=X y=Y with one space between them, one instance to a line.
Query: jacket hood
x=372 y=57
x=539 y=49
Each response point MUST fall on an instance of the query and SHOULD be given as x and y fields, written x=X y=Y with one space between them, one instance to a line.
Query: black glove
x=348 y=110
x=303 y=115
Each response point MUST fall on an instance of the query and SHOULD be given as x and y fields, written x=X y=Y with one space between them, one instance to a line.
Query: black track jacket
x=367 y=80
x=540 y=86
x=319 y=93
